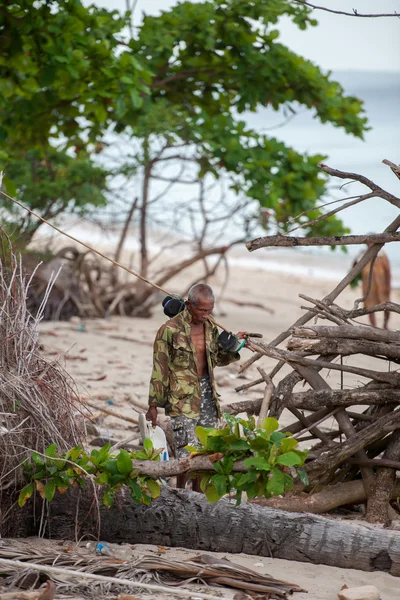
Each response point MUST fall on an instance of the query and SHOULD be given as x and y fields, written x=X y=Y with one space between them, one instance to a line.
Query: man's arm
x=159 y=382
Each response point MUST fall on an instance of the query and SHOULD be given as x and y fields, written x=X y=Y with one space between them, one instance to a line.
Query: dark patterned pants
x=185 y=429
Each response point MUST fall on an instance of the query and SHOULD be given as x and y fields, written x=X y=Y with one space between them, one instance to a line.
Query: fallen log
x=361 y=332
x=107 y=411
x=345 y=347
x=251 y=407
x=186 y=519
x=376 y=462
x=170 y=468
x=315 y=399
x=316 y=417
x=392 y=377
x=341 y=494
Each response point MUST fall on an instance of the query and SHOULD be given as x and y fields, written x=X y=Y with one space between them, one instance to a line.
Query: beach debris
x=353 y=433
x=77 y=578
x=38 y=399
x=45 y=592
x=121 y=552
x=99 y=378
x=82 y=568
x=366 y=592
x=49 y=592
x=107 y=411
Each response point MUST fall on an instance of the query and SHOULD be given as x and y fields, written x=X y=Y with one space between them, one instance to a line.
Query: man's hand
x=151 y=415
x=242 y=335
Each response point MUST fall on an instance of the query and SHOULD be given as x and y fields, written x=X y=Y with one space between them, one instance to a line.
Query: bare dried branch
x=337 y=240
x=355 y=12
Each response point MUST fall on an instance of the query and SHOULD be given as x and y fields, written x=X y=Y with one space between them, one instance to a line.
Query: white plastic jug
x=159 y=440
x=155 y=434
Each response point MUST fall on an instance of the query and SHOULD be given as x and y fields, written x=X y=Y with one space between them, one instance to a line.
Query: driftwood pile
x=357 y=460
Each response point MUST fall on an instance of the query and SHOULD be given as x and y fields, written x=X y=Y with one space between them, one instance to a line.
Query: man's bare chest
x=198 y=338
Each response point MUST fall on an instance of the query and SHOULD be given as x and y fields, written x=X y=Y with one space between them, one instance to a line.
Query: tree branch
x=355 y=13
x=378 y=191
x=332 y=212
x=392 y=377
x=170 y=468
x=337 y=240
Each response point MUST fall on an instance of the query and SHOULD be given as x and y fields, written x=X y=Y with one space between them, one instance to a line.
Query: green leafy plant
x=271 y=459
x=53 y=472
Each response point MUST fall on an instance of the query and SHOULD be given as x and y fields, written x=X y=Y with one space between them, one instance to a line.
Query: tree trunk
x=144 y=257
x=124 y=232
x=186 y=519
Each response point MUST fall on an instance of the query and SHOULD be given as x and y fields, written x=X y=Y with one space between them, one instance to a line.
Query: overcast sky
x=338 y=42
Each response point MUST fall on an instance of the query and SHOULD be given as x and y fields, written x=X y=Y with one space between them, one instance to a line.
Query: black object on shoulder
x=172 y=306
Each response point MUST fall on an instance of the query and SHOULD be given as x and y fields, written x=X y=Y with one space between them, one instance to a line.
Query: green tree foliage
x=215 y=60
x=54 y=185
x=71 y=74
x=61 y=74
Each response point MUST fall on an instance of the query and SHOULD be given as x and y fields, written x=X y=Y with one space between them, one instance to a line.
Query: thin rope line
x=114 y=262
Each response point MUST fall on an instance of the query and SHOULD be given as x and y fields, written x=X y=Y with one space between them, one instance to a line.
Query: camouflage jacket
x=174 y=383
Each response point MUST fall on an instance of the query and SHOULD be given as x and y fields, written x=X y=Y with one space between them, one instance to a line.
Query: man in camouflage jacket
x=186 y=350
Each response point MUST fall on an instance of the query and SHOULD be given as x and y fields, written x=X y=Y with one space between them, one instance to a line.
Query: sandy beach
x=111 y=362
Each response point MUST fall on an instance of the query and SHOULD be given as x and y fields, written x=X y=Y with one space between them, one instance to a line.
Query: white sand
x=108 y=367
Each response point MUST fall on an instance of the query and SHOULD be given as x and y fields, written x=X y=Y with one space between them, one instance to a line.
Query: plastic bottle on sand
x=123 y=552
